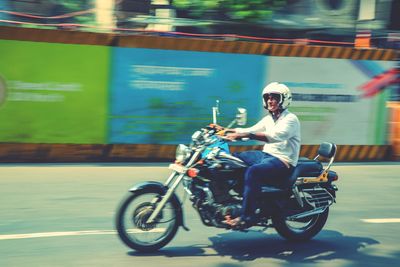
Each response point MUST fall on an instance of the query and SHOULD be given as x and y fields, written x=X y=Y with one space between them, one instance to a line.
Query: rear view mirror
x=241 y=116
x=215 y=111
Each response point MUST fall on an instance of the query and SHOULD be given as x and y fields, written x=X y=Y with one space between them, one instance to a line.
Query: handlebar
x=244 y=139
x=221 y=132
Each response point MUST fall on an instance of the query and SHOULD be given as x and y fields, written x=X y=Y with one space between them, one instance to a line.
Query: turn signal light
x=192 y=172
x=335 y=178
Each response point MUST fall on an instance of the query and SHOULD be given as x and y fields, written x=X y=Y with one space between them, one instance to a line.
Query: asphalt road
x=62 y=215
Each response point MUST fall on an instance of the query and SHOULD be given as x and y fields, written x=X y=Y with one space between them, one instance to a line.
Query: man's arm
x=254 y=132
x=277 y=134
x=260 y=136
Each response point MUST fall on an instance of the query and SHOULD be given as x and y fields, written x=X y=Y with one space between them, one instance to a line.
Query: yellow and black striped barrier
x=242 y=47
x=143 y=152
x=196 y=44
x=55 y=36
x=349 y=153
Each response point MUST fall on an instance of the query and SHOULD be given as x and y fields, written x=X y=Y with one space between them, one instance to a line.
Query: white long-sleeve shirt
x=283 y=136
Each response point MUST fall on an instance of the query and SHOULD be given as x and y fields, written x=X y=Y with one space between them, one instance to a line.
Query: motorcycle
x=149 y=216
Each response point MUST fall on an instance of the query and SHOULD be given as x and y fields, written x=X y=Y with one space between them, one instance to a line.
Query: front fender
x=157 y=187
x=150 y=186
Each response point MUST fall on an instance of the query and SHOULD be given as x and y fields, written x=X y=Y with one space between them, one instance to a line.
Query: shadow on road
x=328 y=245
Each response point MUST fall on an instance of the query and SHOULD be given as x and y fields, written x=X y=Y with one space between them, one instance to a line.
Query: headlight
x=182 y=153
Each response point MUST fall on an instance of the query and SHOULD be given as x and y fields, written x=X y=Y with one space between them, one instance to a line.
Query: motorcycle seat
x=307 y=167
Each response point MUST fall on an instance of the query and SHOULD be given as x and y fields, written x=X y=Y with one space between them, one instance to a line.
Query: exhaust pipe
x=307 y=213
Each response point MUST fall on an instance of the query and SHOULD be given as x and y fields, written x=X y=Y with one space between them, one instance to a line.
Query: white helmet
x=282 y=90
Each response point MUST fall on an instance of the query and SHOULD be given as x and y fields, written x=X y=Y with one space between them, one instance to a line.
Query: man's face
x=272 y=101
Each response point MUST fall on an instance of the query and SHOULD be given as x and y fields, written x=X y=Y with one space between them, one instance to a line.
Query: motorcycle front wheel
x=302 y=229
x=133 y=229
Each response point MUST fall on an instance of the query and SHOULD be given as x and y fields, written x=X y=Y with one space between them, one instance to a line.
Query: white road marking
x=137 y=231
x=322 y=254
x=75 y=233
x=383 y=220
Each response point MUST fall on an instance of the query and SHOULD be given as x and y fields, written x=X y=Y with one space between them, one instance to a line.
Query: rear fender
x=157 y=187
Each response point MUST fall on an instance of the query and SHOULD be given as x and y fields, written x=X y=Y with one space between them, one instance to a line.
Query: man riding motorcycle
x=267 y=188
x=280 y=130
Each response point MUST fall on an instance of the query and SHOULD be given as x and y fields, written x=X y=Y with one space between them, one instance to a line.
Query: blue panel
x=162 y=96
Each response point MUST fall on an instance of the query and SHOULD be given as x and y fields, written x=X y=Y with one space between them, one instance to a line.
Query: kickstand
x=185 y=228
x=185 y=194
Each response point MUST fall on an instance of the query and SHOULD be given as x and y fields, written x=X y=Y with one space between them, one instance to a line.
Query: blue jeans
x=264 y=170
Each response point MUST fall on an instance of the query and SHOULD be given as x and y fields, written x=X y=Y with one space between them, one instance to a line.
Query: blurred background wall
x=66 y=93
x=78 y=78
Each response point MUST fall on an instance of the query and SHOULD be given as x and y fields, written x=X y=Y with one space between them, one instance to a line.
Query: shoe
x=236 y=223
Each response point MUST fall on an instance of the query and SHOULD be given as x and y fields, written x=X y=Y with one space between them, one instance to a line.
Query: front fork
x=175 y=179
x=167 y=195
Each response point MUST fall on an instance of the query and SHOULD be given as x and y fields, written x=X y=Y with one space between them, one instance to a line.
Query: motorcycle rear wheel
x=131 y=225
x=301 y=230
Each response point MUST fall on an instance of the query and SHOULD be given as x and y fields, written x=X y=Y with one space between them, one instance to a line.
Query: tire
x=128 y=215
x=311 y=227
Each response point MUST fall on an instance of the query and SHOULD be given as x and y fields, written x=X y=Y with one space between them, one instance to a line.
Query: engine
x=216 y=200
x=216 y=192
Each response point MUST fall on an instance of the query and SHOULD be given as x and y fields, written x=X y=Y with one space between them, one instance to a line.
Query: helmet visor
x=273 y=96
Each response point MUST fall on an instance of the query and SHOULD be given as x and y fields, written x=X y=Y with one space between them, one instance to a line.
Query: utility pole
x=104 y=10
x=164 y=13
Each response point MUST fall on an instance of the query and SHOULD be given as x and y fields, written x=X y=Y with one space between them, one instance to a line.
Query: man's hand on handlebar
x=216 y=127
x=233 y=136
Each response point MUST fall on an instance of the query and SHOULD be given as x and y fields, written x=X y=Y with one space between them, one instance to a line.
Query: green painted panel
x=55 y=93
